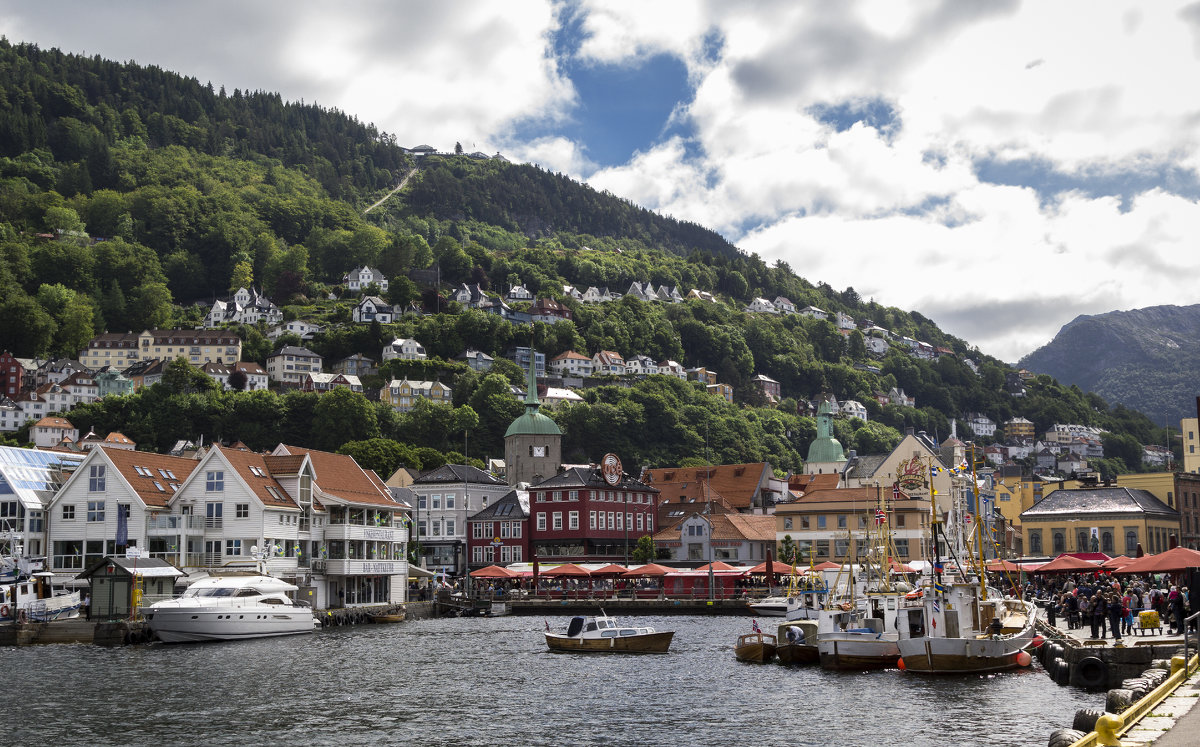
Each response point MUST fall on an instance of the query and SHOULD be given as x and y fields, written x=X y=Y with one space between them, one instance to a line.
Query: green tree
x=382 y=455
x=242 y=277
x=644 y=551
x=340 y=416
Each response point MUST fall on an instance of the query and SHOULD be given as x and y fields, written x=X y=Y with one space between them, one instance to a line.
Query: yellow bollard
x=1177 y=663
x=1107 y=727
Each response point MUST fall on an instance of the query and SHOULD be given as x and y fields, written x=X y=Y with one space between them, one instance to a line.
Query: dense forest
x=130 y=197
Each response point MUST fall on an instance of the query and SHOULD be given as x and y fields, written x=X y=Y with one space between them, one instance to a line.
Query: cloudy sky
x=1001 y=167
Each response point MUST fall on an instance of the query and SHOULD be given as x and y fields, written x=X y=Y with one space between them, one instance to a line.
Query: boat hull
x=755 y=653
x=645 y=643
x=848 y=652
x=797 y=653
x=195 y=626
x=961 y=655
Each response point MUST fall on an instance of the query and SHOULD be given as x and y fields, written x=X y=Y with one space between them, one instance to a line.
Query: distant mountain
x=1146 y=359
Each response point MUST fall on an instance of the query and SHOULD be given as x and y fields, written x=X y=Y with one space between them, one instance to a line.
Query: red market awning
x=1170 y=561
x=649 y=570
x=902 y=568
x=494 y=571
x=1067 y=564
x=717 y=565
x=1003 y=565
x=612 y=569
x=1114 y=563
x=828 y=565
x=569 y=570
x=776 y=567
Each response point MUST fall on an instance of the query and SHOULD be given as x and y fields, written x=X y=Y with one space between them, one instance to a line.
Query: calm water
x=492 y=681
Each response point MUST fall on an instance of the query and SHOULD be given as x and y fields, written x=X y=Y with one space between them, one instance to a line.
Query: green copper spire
x=532 y=422
x=825 y=448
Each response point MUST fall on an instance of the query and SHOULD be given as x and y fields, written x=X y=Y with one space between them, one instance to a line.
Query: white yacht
x=224 y=608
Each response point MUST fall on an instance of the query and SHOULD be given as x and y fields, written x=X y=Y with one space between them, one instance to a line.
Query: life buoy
x=4 y=610
x=915 y=594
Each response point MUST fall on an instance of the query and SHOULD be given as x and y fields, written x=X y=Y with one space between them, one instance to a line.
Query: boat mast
x=978 y=527
x=935 y=529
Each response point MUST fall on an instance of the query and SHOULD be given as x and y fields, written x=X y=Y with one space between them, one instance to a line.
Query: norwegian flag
x=895 y=491
x=880 y=516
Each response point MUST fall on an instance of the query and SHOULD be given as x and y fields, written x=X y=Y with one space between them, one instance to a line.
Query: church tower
x=533 y=443
x=825 y=452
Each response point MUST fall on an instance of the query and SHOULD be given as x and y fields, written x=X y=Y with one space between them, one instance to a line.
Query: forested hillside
x=128 y=193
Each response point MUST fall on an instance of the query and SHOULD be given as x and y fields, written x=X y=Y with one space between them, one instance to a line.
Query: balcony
x=173 y=524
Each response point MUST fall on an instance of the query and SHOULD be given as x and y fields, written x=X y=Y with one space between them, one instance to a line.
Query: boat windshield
x=214 y=592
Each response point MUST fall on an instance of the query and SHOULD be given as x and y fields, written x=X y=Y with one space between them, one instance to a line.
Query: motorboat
x=966 y=630
x=756 y=647
x=855 y=639
x=603 y=634
x=796 y=643
x=230 y=607
x=32 y=599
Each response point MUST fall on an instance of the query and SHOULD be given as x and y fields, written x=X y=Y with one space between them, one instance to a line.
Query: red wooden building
x=499 y=533
x=576 y=516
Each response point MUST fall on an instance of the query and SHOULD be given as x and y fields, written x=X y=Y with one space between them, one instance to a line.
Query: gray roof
x=151 y=567
x=1106 y=500
x=457 y=473
x=508 y=507
x=865 y=465
x=590 y=477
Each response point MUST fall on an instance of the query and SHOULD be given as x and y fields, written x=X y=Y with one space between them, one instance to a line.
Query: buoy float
x=900 y=664
x=1038 y=641
x=1023 y=658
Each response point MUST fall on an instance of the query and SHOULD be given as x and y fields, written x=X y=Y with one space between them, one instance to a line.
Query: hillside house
x=402 y=394
x=761 y=305
x=373 y=309
x=549 y=311
x=608 y=363
x=475 y=359
x=302 y=329
x=246 y=306
x=768 y=386
x=407 y=349
x=571 y=363
x=327 y=382
x=355 y=365
x=518 y=292
x=783 y=305
x=672 y=368
x=291 y=364
x=360 y=278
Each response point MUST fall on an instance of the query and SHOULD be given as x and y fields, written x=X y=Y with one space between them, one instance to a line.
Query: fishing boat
x=806 y=595
x=756 y=647
x=797 y=643
x=224 y=608
x=32 y=599
x=602 y=634
x=963 y=626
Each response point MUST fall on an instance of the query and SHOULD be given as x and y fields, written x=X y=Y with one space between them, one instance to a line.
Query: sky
x=999 y=166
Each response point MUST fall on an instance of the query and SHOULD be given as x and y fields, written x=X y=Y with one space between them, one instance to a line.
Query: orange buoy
x=1038 y=641
x=900 y=663
x=1023 y=658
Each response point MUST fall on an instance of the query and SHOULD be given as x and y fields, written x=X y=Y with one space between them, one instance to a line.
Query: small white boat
x=33 y=600
x=225 y=608
x=602 y=634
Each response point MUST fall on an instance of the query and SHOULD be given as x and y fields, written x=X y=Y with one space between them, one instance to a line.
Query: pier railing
x=1111 y=726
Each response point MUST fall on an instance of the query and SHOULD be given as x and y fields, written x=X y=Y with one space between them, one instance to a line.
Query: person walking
x=1175 y=602
x=1093 y=616
x=1050 y=609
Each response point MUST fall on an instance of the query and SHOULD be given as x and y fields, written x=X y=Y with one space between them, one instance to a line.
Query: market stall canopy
x=776 y=567
x=1067 y=564
x=717 y=565
x=828 y=565
x=1003 y=565
x=1170 y=561
x=612 y=569
x=416 y=571
x=1114 y=563
x=494 y=571
x=568 y=570
x=648 y=570
x=902 y=568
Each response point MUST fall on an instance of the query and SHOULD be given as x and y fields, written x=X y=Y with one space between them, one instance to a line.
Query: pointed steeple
x=531 y=399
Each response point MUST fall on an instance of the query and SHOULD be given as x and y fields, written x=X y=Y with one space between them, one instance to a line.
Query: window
x=436 y=501
x=822 y=548
x=541 y=521
x=1106 y=541
x=787 y=523
x=450 y=500
x=477 y=554
x=1035 y=543
x=592 y=520
x=449 y=527
x=516 y=530
x=421 y=503
x=899 y=519
x=1131 y=540
x=820 y=522
x=573 y=520
x=841 y=547
x=639 y=522
x=95 y=511
x=1083 y=544
x=233 y=547
x=214 y=481
x=1060 y=542
x=620 y=521
x=68 y=513
x=213 y=513
x=901 y=547
x=96 y=478
x=556 y=520
x=841 y=521
x=505 y=529
x=242 y=510
x=573 y=495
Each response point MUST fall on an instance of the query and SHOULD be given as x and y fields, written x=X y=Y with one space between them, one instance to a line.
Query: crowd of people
x=1111 y=605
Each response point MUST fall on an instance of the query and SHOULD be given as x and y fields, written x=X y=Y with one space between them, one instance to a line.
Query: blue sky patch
x=1049 y=182
x=875 y=112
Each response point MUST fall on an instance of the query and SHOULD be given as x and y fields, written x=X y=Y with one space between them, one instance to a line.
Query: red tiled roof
x=736 y=483
x=339 y=476
x=152 y=467
x=260 y=480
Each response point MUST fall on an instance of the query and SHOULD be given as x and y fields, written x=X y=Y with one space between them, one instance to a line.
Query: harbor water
x=491 y=681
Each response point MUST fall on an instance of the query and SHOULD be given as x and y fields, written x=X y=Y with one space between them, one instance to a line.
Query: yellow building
x=1161 y=484
x=832 y=524
x=1191 y=444
x=1111 y=520
x=1018 y=428
x=197 y=346
x=402 y=394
